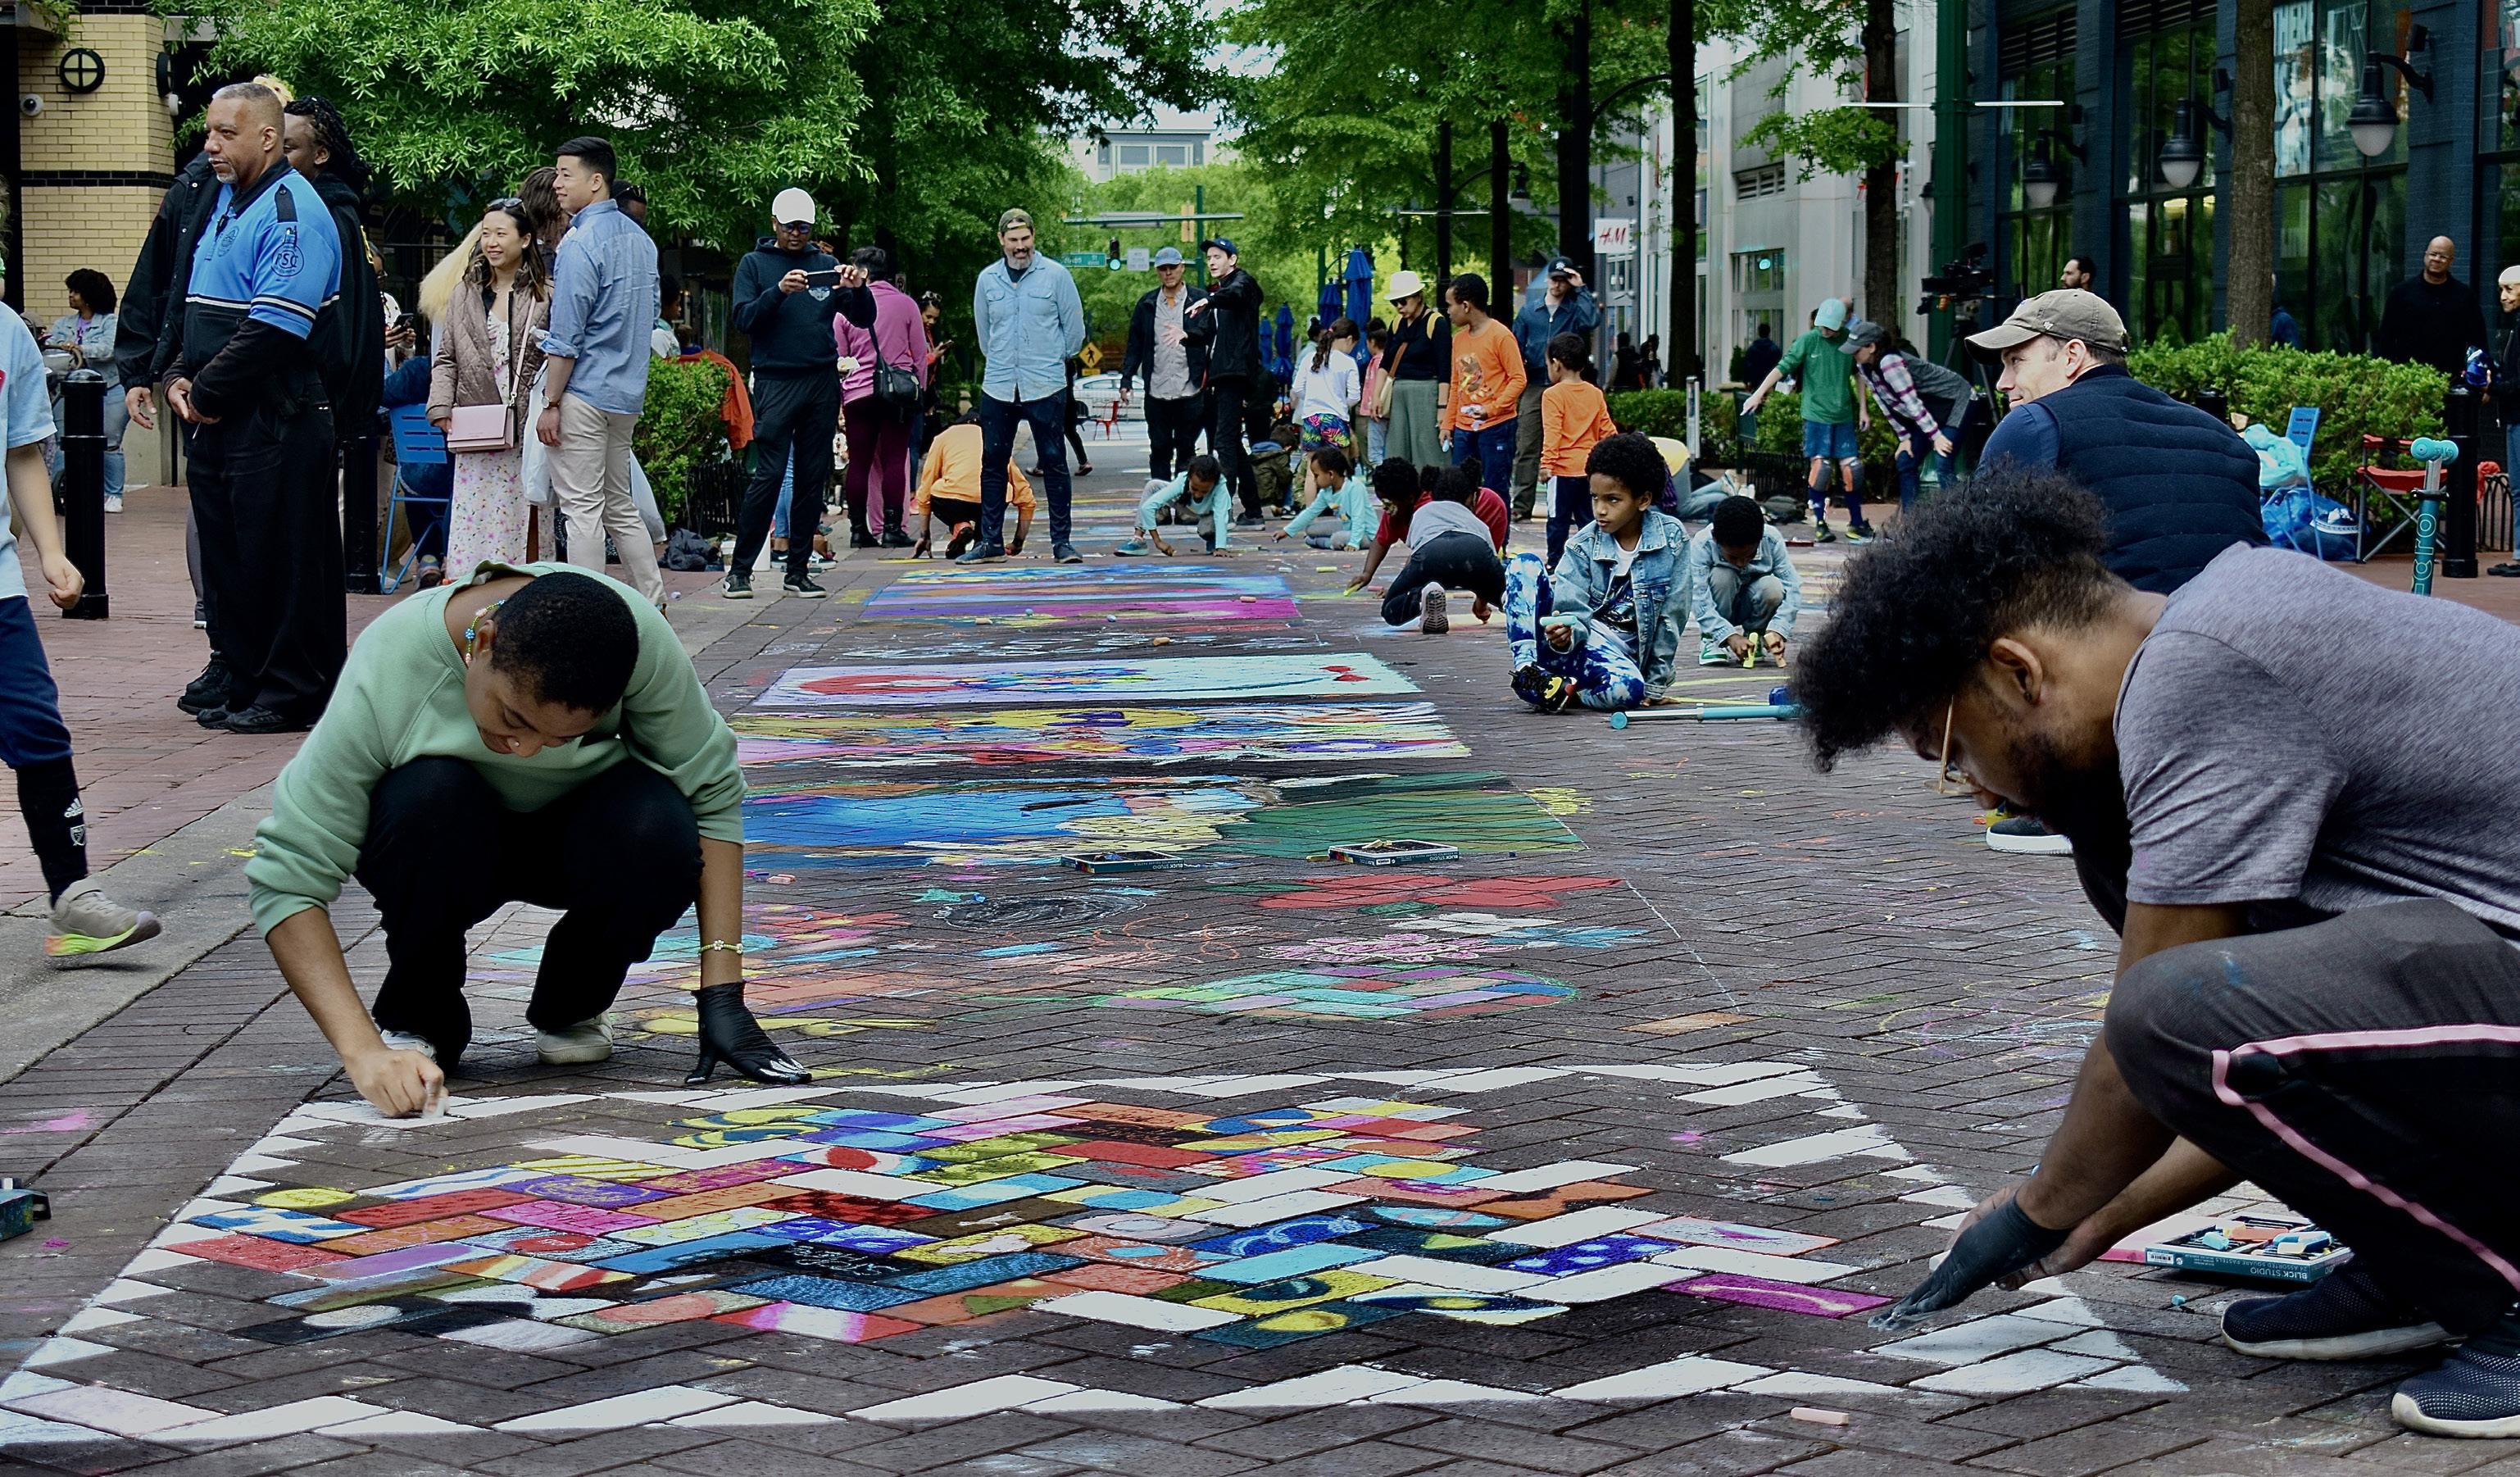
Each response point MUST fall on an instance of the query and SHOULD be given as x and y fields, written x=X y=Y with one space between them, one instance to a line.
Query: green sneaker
x=87 y=922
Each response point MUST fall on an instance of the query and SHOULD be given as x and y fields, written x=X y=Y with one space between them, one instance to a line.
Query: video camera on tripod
x=1960 y=287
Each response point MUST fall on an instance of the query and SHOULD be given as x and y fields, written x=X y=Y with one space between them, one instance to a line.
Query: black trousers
x=799 y=410
x=267 y=496
x=2367 y=1071
x=619 y=857
x=1172 y=433
x=1453 y=560
x=1225 y=439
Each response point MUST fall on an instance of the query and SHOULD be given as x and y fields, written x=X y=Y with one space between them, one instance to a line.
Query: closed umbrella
x=1327 y=307
x=1282 y=359
x=1360 y=285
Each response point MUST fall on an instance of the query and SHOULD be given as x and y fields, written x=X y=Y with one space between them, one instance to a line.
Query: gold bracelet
x=719 y=944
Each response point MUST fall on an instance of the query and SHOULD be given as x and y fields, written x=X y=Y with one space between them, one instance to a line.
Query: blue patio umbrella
x=1328 y=306
x=1282 y=356
x=1360 y=285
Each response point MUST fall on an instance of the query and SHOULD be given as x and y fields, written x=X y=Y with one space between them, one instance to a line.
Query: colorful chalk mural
x=1026 y=598
x=796 y=817
x=1174 y=679
x=1004 y=737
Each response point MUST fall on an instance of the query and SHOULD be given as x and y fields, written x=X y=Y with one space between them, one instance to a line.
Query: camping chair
x=416 y=443
x=2391 y=489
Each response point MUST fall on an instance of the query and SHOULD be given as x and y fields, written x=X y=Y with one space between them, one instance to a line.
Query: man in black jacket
x=785 y=295
x=144 y=348
x=1227 y=318
x=247 y=379
x=1172 y=362
x=318 y=146
x=2432 y=318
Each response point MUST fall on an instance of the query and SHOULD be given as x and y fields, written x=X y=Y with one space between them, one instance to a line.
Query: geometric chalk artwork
x=796 y=818
x=1358 y=990
x=1168 y=679
x=1216 y=733
x=1249 y=1213
x=1023 y=599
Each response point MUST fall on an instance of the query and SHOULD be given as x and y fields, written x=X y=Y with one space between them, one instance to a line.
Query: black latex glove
x=2004 y=1241
x=729 y=1034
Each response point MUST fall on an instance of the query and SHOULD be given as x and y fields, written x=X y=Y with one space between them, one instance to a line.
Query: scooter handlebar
x=2433 y=449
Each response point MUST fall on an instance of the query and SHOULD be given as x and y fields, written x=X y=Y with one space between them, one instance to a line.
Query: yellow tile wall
x=121 y=127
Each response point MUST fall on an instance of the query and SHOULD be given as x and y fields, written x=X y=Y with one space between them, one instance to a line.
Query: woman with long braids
x=489 y=348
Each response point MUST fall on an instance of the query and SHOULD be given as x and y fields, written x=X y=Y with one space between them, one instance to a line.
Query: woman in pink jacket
x=876 y=418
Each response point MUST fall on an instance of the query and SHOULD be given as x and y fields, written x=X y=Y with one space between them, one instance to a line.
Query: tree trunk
x=1575 y=145
x=1679 y=41
x=1443 y=212
x=2249 y=194
x=1499 y=208
x=1881 y=181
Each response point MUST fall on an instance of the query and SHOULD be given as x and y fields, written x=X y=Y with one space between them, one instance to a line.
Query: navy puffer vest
x=2181 y=486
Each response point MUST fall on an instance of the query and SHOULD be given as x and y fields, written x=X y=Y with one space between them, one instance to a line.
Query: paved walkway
x=1587 y=1152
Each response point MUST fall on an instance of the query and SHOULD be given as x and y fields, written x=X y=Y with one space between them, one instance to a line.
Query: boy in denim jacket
x=1604 y=630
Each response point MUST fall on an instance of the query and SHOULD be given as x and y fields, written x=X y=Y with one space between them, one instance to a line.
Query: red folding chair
x=2392 y=489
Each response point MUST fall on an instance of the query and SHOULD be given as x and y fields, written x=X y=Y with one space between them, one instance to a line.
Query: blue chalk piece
x=1778 y=697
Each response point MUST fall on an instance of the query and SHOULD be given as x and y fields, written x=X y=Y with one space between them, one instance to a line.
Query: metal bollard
x=83 y=487
x=2459 y=415
x=359 y=513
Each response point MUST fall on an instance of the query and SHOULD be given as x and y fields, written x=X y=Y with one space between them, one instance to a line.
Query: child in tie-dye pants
x=1600 y=631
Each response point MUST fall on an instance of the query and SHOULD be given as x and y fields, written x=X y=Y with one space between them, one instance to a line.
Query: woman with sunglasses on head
x=489 y=348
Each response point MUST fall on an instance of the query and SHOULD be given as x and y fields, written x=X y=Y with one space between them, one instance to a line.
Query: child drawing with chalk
x=1201 y=484
x=1334 y=486
x=1743 y=595
x=1603 y=630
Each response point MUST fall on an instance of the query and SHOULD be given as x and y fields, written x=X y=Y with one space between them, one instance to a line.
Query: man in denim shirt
x=603 y=303
x=1028 y=319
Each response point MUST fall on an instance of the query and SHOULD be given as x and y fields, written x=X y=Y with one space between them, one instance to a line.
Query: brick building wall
x=92 y=167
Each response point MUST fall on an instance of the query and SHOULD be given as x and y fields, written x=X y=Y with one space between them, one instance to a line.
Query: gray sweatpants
x=2365 y=1070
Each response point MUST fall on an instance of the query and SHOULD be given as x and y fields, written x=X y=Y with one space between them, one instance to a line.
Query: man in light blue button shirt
x=604 y=306
x=1028 y=319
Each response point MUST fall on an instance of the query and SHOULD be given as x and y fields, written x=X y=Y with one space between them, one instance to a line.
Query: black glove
x=2004 y=1241
x=729 y=1034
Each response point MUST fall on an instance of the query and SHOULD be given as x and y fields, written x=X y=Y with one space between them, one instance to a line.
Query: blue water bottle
x=2480 y=369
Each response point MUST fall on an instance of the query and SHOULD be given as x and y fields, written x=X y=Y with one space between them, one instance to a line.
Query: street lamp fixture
x=1521 y=199
x=2374 y=122
x=2041 y=177
x=2182 y=158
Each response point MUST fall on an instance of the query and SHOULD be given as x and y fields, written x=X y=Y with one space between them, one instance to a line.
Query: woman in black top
x=1419 y=359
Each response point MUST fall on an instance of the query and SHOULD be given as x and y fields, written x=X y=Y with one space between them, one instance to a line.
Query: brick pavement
x=1550 y=1160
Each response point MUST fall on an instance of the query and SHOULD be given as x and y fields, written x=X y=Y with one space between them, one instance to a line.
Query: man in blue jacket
x=786 y=295
x=1026 y=314
x=247 y=382
x=1564 y=306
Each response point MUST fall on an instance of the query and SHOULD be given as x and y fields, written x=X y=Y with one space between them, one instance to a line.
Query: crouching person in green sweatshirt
x=535 y=735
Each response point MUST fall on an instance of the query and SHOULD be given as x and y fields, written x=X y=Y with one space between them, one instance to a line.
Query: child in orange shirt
x=949 y=490
x=1574 y=419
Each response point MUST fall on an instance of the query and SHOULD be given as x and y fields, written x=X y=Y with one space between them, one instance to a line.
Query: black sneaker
x=2475 y=1393
x=859 y=538
x=982 y=554
x=894 y=538
x=1250 y=520
x=2345 y=1315
x=262 y=720
x=802 y=587
x=207 y=690
x=736 y=586
x=1066 y=553
x=213 y=718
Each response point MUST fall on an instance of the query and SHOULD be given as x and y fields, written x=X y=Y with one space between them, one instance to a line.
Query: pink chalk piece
x=1784 y=1297
x=555 y=1216
x=816 y=1322
x=1818 y=1416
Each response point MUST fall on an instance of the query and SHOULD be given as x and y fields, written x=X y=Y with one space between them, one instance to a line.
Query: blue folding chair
x=416 y=443
x=2303 y=429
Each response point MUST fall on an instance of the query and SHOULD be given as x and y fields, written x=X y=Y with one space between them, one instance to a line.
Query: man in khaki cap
x=2180 y=485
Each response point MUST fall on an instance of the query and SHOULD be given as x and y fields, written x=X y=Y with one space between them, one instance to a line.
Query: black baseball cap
x=1223 y=244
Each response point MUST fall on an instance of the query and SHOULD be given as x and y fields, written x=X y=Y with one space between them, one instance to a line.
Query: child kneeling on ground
x=1450 y=548
x=1600 y=630
x=1333 y=485
x=1743 y=591
x=1201 y=484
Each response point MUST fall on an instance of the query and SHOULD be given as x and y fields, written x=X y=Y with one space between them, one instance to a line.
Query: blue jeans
x=1570 y=507
x=1913 y=452
x=1605 y=671
x=1826 y=442
x=1378 y=439
x=1048 y=418
x=1492 y=448
x=1833 y=446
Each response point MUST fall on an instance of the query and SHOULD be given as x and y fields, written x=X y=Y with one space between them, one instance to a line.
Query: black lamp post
x=2374 y=122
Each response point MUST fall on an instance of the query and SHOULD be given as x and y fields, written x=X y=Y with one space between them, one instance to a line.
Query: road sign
x=1080 y=258
x=1139 y=257
x=1091 y=356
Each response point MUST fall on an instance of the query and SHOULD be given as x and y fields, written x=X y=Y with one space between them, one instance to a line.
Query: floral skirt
x=487 y=520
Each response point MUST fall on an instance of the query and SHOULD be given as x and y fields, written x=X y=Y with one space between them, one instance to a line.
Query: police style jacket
x=267 y=272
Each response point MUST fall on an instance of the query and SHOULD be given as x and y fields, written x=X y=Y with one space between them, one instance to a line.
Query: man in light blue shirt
x=1025 y=312
x=604 y=307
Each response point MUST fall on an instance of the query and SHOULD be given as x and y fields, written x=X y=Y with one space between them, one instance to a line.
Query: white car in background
x=1098 y=393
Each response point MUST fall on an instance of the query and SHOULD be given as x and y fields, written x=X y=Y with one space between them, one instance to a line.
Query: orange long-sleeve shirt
x=952 y=472
x=1487 y=373
x=1574 y=417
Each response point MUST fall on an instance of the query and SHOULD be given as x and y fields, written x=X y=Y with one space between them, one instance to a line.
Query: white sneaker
x=1713 y=654
x=85 y=921
x=114 y=503
x=589 y=1041
x=405 y=1041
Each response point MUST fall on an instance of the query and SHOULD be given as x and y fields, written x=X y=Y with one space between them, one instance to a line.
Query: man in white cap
x=786 y=295
x=2180 y=485
x=1173 y=363
x=1419 y=358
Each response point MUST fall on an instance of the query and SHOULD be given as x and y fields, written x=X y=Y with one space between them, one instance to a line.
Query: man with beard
x=2317 y=986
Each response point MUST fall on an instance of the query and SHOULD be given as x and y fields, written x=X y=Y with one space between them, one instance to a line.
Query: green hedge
x=2358 y=395
x=681 y=426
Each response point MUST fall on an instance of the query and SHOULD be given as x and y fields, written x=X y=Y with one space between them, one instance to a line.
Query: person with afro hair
x=2313 y=869
x=1603 y=628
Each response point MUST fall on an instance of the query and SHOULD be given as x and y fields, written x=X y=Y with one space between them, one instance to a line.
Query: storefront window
x=2170 y=233
x=2038 y=61
x=2340 y=219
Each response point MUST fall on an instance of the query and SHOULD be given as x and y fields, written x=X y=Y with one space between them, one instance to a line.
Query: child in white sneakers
x=1334 y=486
